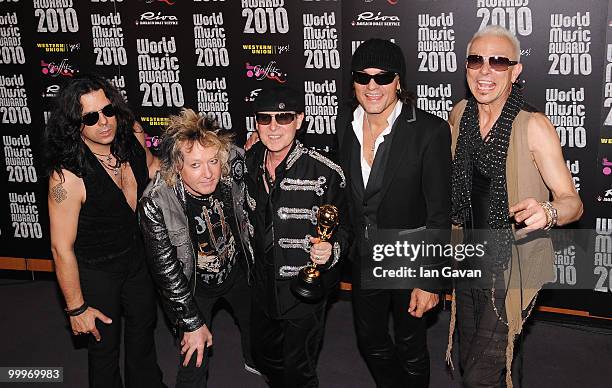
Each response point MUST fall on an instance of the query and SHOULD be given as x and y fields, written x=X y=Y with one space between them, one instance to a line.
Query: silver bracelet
x=552 y=215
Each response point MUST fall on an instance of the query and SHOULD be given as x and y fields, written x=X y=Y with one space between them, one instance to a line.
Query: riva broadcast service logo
x=156 y=19
x=605 y=197
x=376 y=19
x=51 y=91
x=252 y=95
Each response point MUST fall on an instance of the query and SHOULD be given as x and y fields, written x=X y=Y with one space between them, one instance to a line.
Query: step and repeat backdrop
x=215 y=56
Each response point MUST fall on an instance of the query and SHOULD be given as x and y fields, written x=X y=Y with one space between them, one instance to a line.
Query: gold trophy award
x=307 y=284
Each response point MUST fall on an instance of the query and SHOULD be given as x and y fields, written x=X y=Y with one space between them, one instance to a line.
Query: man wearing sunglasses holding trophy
x=507 y=163
x=397 y=160
x=98 y=168
x=287 y=184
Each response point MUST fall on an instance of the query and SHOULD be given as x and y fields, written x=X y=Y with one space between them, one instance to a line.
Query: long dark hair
x=62 y=143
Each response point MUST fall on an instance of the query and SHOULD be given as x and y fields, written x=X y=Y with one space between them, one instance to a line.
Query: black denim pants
x=286 y=350
x=129 y=294
x=402 y=361
x=238 y=296
x=482 y=338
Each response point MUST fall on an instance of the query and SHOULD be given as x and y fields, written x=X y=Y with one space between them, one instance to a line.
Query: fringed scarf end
x=451 y=331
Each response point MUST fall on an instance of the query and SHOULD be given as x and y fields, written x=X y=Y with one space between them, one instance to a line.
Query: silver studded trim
x=289 y=271
x=315 y=155
x=250 y=227
x=298 y=151
x=295 y=243
x=297 y=213
x=227 y=180
x=336 y=254
x=290 y=184
x=250 y=201
x=251 y=248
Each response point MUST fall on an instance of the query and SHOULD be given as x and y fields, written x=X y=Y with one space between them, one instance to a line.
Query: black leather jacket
x=170 y=254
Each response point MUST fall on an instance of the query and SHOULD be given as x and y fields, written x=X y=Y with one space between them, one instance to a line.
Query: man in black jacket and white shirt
x=397 y=162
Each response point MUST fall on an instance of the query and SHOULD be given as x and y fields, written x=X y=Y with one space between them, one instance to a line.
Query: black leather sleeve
x=436 y=190
x=166 y=269
x=436 y=178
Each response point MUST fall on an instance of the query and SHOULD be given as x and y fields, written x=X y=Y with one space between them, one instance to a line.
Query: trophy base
x=307 y=292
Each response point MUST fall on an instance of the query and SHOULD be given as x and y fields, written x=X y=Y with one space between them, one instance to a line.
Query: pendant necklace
x=371 y=134
x=267 y=174
x=107 y=163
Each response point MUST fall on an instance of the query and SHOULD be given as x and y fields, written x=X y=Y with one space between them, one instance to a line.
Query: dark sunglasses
x=92 y=118
x=281 y=118
x=384 y=78
x=496 y=63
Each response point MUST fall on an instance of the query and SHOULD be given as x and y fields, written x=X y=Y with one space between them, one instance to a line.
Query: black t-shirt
x=215 y=245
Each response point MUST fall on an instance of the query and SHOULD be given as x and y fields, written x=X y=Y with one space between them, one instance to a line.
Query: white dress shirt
x=358 y=117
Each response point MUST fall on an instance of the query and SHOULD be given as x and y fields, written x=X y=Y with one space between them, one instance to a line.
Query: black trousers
x=482 y=338
x=286 y=350
x=399 y=362
x=129 y=294
x=238 y=296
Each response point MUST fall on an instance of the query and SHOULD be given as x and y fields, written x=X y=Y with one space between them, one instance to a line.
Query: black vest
x=367 y=200
x=108 y=236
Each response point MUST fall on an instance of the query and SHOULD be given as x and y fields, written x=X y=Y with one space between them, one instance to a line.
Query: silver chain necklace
x=371 y=134
x=107 y=163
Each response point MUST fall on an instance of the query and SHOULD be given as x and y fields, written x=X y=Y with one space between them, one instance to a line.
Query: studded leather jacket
x=305 y=180
x=168 y=242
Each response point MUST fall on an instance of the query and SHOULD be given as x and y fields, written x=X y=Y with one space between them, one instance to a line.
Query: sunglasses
x=281 y=118
x=92 y=118
x=496 y=63
x=384 y=78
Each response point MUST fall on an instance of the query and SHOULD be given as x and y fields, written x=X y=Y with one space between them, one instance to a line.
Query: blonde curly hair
x=184 y=130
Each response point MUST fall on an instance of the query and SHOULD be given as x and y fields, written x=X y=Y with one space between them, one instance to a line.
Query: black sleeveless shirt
x=108 y=236
x=481 y=191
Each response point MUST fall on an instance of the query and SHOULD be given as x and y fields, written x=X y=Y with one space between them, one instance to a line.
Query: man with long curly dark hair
x=97 y=167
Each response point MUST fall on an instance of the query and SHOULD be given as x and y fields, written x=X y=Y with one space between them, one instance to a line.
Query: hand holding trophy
x=307 y=285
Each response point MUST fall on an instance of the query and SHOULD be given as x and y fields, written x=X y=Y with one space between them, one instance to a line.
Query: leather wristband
x=77 y=311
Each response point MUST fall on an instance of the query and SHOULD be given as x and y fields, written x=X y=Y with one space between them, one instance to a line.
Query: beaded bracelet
x=77 y=311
